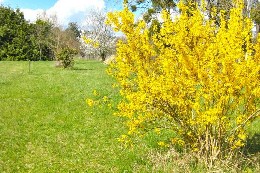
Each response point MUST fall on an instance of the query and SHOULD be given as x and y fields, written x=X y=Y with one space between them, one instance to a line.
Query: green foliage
x=21 y=40
x=66 y=57
x=15 y=36
x=63 y=39
x=74 y=28
x=42 y=39
x=255 y=13
x=151 y=7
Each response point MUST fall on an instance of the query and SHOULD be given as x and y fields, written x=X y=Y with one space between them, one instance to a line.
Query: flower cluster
x=196 y=78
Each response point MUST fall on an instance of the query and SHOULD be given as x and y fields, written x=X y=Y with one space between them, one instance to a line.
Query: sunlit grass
x=46 y=126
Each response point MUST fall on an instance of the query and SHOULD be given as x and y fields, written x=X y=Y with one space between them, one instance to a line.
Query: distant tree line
x=42 y=40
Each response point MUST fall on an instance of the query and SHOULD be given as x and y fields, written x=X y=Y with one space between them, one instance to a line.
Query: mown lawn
x=46 y=125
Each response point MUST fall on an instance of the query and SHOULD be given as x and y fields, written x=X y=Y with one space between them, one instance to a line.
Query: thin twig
x=243 y=124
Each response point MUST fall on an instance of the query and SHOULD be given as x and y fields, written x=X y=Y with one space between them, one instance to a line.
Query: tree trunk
x=40 y=52
x=103 y=56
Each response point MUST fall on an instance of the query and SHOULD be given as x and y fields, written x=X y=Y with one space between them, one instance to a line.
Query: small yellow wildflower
x=90 y=102
x=157 y=130
x=114 y=85
x=161 y=144
x=95 y=93
x=105 y=98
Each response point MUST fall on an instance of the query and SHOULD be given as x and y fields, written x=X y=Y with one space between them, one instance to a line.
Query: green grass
x=46 y=126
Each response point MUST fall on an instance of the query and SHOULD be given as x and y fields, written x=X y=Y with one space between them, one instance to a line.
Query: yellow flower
x=190 y=76
x=90 y=102
x=161 y=144
x=95 y=93
x=242 y=136
x=238 y=144
x=105 y=98
x=157 y=130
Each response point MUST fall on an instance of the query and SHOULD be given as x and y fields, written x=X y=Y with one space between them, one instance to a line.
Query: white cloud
x=30 y=14
x=67 y=10
x=1 y=1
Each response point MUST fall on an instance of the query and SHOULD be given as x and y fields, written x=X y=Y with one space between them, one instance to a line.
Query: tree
x=195 y=80
x=74 y=28
x=152 y=8
x=73 y=34
x=64 y=41
x=98 y=38
x=42 y=36
x=15 y=36
x=42 y=40
x=255 y=15
x=64 y=44
x=157 y=5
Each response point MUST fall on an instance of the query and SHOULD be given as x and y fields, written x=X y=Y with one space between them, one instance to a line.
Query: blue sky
x=65 y=10
x=31 y=4
x=46 y=4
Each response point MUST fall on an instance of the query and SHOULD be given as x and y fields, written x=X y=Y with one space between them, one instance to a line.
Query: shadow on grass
x=82 y=69
x=252 y=144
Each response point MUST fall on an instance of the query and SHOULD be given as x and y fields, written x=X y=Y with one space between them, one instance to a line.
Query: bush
x=195 y=79
x=65 y=57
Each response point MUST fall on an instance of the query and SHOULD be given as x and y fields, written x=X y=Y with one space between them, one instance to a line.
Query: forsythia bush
x=192 y=77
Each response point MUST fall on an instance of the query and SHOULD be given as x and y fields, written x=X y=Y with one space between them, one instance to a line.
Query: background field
x=46 y=126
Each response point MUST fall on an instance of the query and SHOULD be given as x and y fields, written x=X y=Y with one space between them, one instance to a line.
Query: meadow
x=46 y=125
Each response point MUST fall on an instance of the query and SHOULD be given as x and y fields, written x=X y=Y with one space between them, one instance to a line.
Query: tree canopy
x=41 y=40
x=99 y=38
x=16 y=42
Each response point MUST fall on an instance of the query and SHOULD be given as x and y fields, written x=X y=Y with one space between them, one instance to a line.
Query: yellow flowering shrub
x=191 y=76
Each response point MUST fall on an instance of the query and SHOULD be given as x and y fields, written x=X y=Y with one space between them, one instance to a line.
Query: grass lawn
x=46 y=126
